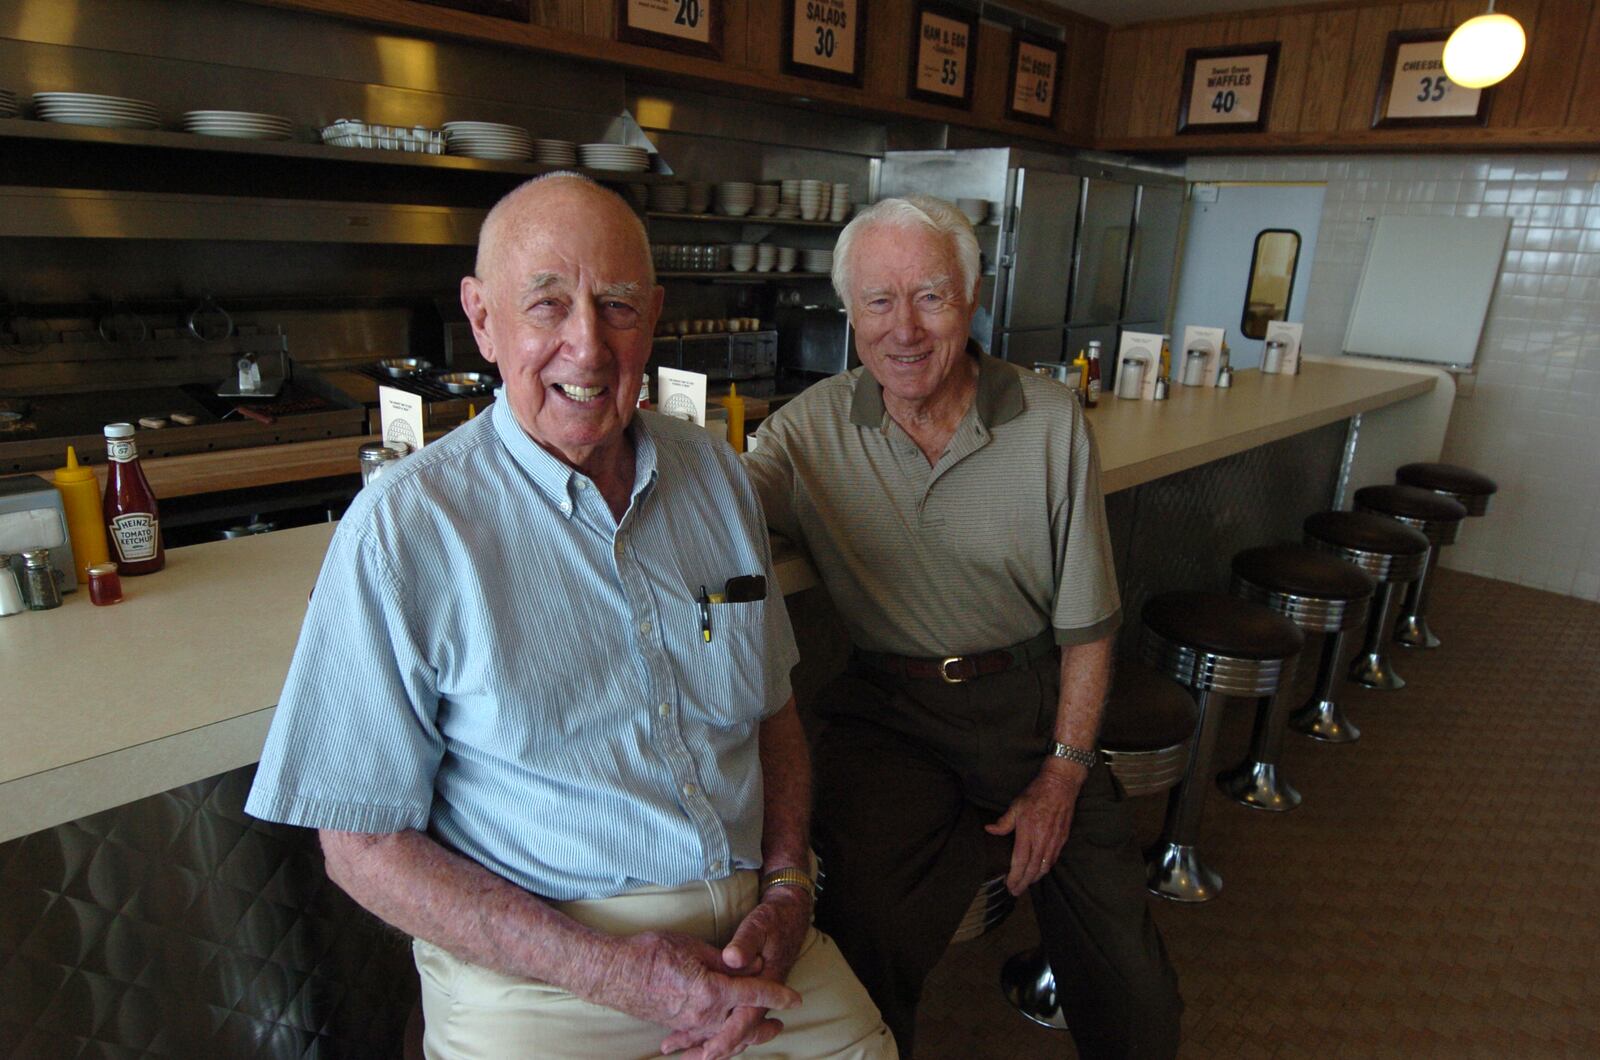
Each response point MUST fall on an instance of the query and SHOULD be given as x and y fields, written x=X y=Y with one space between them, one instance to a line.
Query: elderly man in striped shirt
x=951 y=504
x=528 y=735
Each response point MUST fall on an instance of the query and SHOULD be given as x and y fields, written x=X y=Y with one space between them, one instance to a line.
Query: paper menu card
x=1198 y=338
x=681 y=394
x=1289 y=335
x=1147 y=345
x=400 y=413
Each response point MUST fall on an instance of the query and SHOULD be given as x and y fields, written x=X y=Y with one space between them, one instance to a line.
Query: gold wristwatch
x=790 y=878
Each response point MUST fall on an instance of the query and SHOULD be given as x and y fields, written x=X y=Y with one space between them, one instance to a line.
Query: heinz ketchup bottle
x=133 y=524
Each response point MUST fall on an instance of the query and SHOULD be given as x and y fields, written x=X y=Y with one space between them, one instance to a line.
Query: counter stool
x=1461 y=484
x=1392 y=553
x=1320 y=594
x=1213 y=645
x=1439 y=518
x=1144 y=738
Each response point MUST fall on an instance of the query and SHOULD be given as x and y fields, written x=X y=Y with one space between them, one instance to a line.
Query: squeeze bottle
x=80 y=496
x=735 y=406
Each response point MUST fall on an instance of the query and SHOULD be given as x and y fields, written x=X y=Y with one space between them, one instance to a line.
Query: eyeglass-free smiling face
x=564 y=306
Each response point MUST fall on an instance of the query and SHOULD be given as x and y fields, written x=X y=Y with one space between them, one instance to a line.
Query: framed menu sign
x=512 y=9
x=1034 y=87
x=690 y=26
x=827 y=39
x=944 y=43
x=1413 y=88
x=1227 y=89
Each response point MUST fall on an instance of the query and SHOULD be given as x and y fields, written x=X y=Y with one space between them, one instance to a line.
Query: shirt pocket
x=727 y=676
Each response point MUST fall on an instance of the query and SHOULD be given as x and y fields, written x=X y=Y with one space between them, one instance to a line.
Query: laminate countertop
x=104 y=705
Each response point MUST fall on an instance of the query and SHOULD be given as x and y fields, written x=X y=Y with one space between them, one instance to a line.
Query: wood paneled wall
x=752 y=50
x=1328 y=71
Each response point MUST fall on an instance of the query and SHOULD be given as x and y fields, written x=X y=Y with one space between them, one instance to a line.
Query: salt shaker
x=10 y=589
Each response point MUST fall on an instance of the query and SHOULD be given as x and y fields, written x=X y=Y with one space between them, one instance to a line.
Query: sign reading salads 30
x=825 y=39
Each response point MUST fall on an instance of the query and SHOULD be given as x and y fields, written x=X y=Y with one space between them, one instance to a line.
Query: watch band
x=1087 y=759
x=790 y=878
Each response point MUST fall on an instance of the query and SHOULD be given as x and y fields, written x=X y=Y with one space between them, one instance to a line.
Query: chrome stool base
x=1176 y=873
x=1258 y=786
x=1321 y=719
x=1371 y=669
x=1030 y=985
x=1411 y=631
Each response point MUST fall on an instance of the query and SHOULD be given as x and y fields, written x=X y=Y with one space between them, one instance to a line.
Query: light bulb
x=1484 y=50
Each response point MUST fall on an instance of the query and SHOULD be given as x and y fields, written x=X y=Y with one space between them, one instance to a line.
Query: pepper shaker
x=43 y=592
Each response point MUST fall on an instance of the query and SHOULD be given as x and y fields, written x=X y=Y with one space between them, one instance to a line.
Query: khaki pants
x=472 y=1012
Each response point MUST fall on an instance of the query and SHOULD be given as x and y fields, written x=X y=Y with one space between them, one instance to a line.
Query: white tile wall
x=1530 y=418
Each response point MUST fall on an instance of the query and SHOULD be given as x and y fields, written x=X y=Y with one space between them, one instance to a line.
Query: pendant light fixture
x=1484 y=50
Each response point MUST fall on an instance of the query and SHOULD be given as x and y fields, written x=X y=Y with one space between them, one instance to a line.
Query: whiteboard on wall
x=1425 y=288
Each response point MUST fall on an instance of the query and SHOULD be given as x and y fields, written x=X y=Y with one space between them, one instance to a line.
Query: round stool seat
x=1384 y=548
x=1299 y=571
x=1469 y=487
x=1437 y=516
x=1146 y=713
x=1223 y=625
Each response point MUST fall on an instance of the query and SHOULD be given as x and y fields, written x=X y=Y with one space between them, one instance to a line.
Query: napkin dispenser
x=32 y=515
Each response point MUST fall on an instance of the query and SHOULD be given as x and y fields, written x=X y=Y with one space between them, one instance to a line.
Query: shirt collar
x=999 y=399
x=553 y=476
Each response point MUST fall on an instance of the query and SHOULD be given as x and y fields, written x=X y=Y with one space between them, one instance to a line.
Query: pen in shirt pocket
x=745 y=588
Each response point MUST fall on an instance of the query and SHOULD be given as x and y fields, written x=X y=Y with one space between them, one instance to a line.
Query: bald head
x=544 y=204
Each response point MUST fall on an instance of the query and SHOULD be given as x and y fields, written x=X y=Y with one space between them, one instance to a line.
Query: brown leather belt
x=959 y=669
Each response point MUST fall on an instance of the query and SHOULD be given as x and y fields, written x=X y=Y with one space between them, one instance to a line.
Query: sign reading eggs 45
x=826 y=39
x=1415 y=89
x=944 y=43
x=1035 y=78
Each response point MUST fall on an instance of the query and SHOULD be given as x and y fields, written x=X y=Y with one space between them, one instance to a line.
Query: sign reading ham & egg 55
x=690 y=26
x=944 y=43
x=1227 y=89
x=827 y=39
x=1414 y=90
x=1035 y=85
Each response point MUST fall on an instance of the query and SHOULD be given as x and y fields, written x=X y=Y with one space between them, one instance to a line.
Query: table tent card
x=1207 y=340
x=400 y=415
x=1289 y=335
x=681 y=394
x=1147 y=345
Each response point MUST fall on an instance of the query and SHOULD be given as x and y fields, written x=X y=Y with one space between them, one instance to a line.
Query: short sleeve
x=354 y=744
x=771 y=471
x=1087 y=605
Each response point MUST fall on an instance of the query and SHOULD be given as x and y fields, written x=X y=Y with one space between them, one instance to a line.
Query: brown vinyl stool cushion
x=1411 y=502
x=1223 y=625
x=1300 y=571
x=1147 y=713
x=1366 y=532
x=1450 y=478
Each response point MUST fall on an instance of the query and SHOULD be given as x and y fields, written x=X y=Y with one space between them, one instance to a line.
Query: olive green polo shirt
x=1003 y=537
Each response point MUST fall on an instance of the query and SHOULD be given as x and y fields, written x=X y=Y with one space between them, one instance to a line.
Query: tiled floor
x=1438 y=893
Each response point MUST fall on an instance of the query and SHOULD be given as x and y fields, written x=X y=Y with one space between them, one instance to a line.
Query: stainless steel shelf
x=724 y=219
x=744 y=277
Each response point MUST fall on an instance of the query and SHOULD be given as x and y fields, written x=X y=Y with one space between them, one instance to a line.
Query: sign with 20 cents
x=826 y=39
x=692 y=26
x=944 y=42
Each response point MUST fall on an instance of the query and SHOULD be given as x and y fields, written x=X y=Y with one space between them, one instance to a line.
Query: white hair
x=932 y=213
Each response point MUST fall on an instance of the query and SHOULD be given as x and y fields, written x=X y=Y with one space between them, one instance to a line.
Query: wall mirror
x=1272 y=269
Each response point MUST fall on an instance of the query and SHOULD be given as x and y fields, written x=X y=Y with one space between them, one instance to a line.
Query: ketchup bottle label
x=121 y=450
x=135 y=536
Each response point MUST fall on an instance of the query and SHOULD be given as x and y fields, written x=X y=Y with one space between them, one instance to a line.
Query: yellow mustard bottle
x=735 y=406
x=1080 y=374
x=80 y=495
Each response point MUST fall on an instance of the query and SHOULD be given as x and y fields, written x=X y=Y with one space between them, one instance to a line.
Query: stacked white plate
x=818 y=260
x=735 y=197
x=8 y=103
x=669 y=198
x=555 y=152
x=487 y=139
x=84 y=108
x=237 y=124
x=618 y=158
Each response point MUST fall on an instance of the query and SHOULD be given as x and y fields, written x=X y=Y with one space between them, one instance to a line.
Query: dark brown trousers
x=908 y=771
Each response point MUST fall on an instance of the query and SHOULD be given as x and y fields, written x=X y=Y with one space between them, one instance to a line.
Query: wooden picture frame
x=1248 y=60
x=635 y=25
x=1019 y=41
x=514 y=10
x=1427 y=82
x=854 y=9
x=937 y=17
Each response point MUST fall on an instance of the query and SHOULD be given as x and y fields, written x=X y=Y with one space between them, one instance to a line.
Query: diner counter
x=104 y=705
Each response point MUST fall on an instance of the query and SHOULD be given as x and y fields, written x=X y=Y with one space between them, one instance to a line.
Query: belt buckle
x=944 y=671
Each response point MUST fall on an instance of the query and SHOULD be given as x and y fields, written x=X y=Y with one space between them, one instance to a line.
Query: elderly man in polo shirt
x=951 y=504
x=529 y=738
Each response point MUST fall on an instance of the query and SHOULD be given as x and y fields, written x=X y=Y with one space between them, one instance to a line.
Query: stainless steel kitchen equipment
x=740 y=356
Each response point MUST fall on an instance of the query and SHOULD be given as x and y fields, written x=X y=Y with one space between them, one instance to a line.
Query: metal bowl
x=466 y=382
x=402 y=367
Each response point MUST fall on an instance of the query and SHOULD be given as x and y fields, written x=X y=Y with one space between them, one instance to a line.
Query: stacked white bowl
x=735 y=198
x=8 y=103
x=699 y=196
x=766 y=200
x=839 y=208
x=487 y=139
x=810 y=199
x=617 y=158
x=787 y=256
x=668 y=198
x=237 y=124
x=819 y=260
x=86 y=108
x=766 y=257
x=555 y=153
x=742 y=257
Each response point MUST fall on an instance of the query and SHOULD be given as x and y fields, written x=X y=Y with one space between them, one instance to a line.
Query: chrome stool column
x=1320 y=594
x=1391 y=552
x=1473 y=491
x=1214 y=645
x=1144 y=738
x=1439 y=518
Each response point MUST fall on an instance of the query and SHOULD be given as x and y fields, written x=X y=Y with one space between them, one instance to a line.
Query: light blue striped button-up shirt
x=491 y=659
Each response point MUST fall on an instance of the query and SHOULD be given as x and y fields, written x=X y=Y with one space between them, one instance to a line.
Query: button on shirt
x=490 y=658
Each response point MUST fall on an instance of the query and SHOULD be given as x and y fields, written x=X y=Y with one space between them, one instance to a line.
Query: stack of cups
x=742 y=256
x=787 y=256
x=811 y=206
x=668 y=198
x=766 y=200
x=766 y=257
x=699 y=197
x=735 y=197
x=840 y=207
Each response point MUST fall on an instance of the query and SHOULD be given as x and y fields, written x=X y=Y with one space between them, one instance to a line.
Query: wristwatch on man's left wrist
x=1086 y=759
